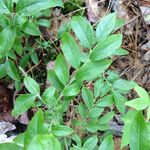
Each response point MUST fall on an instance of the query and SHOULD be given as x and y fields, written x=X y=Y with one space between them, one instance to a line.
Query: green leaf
x=61 y=130
x=106 y=118
x=138 y=104
x=18 y=85
x=54 y=81
x=72 y=90
x=83 y=111
x=120 y=52
x=44 y=23
x=92 y=69
x=71 y=50
x=36 y=126
x=31 y=29
x=112 y=76
x=105 y=89
x=139 y=135
x=92 y=126
x=34 y=58
x=105 y=26
x=103 y=122
x=32 y=86
x=44 y=142
x=65 y=104
x=148 y=113
x=125 y=85
x=2 y=71
x=119 y=101
x=18 y=46
x=85 y=57
x=15 y=1
x=3 y=8
x=97 y=87
x=61 y=69
x=118 y=24
x=23 y=103
x=66 y=27
x=83 y=31
x=32 y=7
x=96 y=112
x=12 y=55
x=107 y=143
x=90 y=143
x=19 y=139
x=105 y=101
x=87 y=96
x=24 y=61
x=20 y=20
x=11 y=70
x=77 y=139
x=7 y=39
x=142 y=93
x=48 y=93
x=10 y=146
x=4 y=21
x=127 y=118
x=107 y=47
x=9 y=4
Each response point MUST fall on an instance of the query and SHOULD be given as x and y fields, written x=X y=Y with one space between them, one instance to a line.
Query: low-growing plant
x=20 y=19
x=75 y=110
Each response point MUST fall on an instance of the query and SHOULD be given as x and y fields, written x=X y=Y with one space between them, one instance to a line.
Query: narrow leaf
x=3 y=8
x=10 y=146
x=61 y=130
x=83 y=31
x=139 y=137
x=97 y=87
x=7 y=39
x=96 y=112
x=31 y=29
x=44 y=142
x=2 y=71
x=32 y=7
x=119 y=101
x=138 y=104
x=91 y=143
x=118 y=24
x=107 y=144
x=35 y=127
x=105 y=26
x=44 y=23
x=125 y=85
x=92 y=69
x=48 y=93
x=54 y=81
x=71 y=50
x=105 y=101
x=107 y=47
x=106 y=118
x=32 y=86
x=72 y=90
x=87 y=96
x=127 y=118
x=23 y=103
x=61 y=69
x=142 y=93
x=11 y=70
x=120 y=52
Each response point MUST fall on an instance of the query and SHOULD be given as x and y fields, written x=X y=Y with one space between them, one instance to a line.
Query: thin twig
x=75 y=11
x=33 y=67
x=136 y=75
